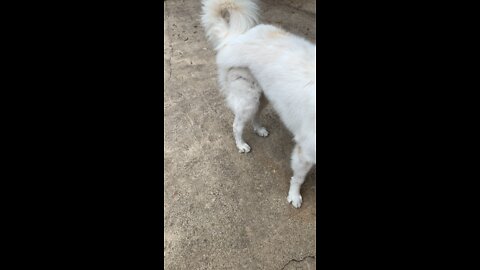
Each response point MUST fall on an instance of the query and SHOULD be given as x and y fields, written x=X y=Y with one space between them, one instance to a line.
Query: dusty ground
x=223 y=209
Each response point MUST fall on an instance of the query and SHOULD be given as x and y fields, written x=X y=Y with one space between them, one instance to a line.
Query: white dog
x=255 y=60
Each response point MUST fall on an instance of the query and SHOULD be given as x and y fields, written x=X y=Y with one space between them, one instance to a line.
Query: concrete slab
x=223 y=209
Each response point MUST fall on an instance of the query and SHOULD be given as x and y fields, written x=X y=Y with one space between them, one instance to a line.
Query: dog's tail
x=223 y=19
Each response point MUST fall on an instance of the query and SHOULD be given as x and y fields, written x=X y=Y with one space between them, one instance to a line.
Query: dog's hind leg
x=300 y=167
x=241 y=118
x=244 y=105
x=257 y=127
x=243 y=98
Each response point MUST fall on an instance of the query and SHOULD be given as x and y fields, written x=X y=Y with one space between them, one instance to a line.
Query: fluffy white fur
x=255 y=60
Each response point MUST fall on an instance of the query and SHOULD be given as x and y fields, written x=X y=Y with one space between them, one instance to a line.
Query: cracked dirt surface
x=304 y=263
x=223 y=209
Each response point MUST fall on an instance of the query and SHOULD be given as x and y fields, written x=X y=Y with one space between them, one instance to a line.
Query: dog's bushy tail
x=223 y=19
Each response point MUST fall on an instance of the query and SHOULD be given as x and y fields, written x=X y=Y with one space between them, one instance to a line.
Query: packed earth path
x=224 y=209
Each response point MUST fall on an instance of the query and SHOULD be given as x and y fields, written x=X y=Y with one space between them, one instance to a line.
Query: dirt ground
x=223 y=209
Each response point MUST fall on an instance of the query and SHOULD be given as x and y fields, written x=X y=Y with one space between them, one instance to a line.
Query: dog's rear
x=223 y=21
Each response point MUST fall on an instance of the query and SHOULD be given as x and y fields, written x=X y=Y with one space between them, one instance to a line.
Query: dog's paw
x=295 y=199
x=262 y=132
x=243 y=148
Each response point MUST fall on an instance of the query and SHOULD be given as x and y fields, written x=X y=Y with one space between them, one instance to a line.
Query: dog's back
x=285 y=67
x=283 y=64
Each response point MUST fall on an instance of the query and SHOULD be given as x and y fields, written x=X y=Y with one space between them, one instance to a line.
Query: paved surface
x=223 y=209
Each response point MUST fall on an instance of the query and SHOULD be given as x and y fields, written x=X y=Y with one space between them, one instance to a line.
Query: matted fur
x=256 y=59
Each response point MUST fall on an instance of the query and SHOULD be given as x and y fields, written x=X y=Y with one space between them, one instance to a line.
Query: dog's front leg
x=300 y=169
